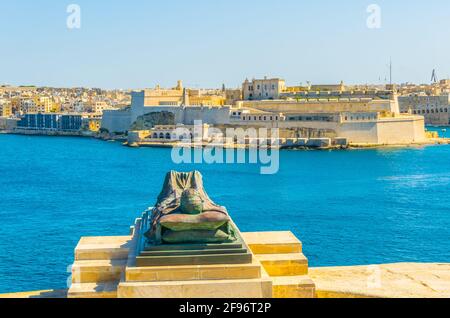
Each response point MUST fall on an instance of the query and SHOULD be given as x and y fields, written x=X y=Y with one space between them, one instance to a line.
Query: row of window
x=311 y=118
x=260 y=118
x=437 y=111
x=169 y=136
x=258 y=87
x=260 y=95
x=360 y=118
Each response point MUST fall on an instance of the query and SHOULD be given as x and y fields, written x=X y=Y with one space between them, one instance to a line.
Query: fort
x=364 y=118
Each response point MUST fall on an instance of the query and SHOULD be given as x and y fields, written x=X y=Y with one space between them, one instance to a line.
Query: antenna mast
x=390 y=72
x=434 y=79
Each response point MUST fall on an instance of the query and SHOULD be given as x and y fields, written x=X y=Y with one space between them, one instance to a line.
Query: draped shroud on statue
x=196 y=228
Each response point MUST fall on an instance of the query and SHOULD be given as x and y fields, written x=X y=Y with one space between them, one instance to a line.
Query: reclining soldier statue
x=184 y=214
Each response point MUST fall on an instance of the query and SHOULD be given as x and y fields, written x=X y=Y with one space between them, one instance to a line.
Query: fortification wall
x=116 y=120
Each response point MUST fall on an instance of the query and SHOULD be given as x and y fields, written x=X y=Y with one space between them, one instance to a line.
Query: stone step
x=284 y=264
x=193 y=272
x=193 y=252
x=293 y=287
x=272 y=242
x=180 y=260
x=239 y=288
x=103 y=248
x=93 y=290
x=188 y=247
x=98 y=271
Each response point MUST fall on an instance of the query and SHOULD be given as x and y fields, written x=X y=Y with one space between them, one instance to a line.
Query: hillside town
x=321 y=115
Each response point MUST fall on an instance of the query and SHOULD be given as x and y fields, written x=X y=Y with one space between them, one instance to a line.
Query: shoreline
x=430 y=142
x=442 y=142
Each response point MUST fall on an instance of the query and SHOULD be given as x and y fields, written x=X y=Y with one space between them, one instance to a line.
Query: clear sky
x=139 y=43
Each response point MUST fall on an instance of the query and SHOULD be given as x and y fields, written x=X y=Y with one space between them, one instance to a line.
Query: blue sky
x=139 y=43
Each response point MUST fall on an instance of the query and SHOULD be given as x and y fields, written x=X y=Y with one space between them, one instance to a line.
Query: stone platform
x=401 y=280
x=106 y=267
x=147 y=255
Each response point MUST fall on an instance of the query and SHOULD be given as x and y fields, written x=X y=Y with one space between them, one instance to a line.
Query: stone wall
x=116 y=120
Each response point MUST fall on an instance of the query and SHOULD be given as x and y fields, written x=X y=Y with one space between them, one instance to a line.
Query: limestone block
x=272 y=242
x=284 y=264
x=97 y=271
x=247 y=288
x=93 y=290
x=195 y=272
x=293 y=287
x=102 y=248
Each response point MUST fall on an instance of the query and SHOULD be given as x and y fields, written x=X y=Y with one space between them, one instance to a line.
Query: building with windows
x=50 y=122
x=260 y=89
x=435 y=108
x=5 y=109
x=360 y=117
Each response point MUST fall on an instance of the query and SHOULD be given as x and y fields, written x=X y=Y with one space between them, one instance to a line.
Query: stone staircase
x=280 y=253
x=101 y=263
x=98 y=267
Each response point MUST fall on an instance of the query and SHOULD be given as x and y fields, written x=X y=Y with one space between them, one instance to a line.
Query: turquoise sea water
x=348 y=207
x=443 y=131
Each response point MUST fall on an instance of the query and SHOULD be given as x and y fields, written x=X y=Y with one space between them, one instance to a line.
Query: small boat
x=444 y=130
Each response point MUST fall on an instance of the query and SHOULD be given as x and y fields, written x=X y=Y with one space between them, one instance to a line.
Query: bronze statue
x=185 y=214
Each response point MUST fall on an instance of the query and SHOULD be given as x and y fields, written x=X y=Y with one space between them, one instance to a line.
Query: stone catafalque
x=186 y=227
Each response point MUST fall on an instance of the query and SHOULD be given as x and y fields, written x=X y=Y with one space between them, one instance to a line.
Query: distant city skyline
x=208 y=43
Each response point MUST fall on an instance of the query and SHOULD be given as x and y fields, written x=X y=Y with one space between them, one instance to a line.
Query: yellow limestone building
x=368 y=119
